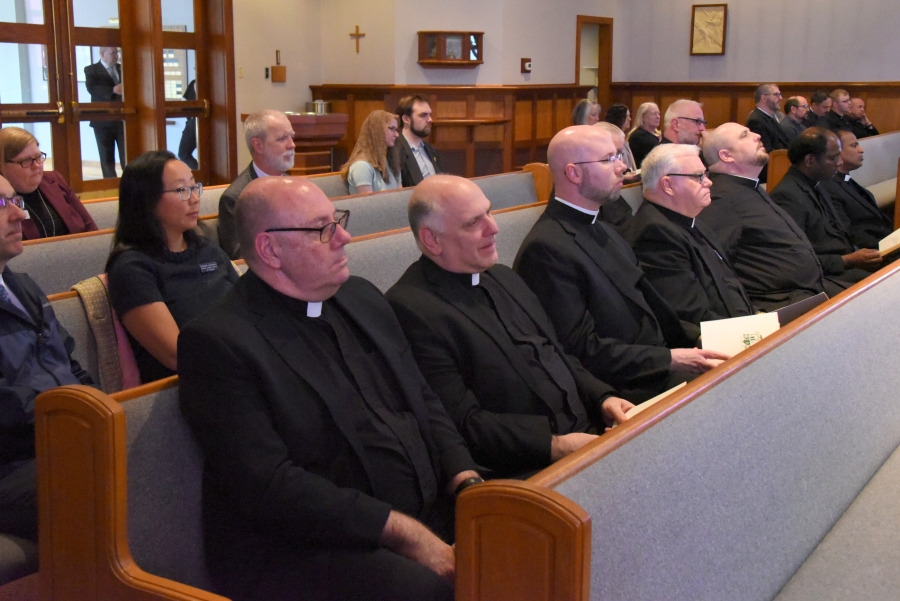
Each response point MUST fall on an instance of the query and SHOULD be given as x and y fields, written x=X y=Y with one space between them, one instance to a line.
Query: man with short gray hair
x=683 y=123
x=681 y=257
x=270 y=139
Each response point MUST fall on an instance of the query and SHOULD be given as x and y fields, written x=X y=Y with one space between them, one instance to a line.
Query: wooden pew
x=778 y=166
x=878 y=173
x=734 y=487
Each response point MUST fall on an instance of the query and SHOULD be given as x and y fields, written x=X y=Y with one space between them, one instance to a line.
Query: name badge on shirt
x=208 y=267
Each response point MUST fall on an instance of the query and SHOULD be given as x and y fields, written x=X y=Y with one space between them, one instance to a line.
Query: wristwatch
x=467 y=483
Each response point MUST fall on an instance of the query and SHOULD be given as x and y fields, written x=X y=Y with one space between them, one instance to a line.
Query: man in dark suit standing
x=329 y=464
x=270 y=139
x=866 y=223
x=103 y=81
x=770 y=253
x=485 y=344
x=762 y=120
x=602 y=306
x=418 y=158
x=681 y=257
x=815 y=157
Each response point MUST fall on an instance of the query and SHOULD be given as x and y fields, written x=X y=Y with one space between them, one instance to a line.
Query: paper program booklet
x=889 y=244
x=731 y=336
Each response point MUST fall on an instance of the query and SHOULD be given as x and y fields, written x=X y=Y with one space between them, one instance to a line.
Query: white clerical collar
x=476 y=278
x=577 y=208
x=314 y=309
x=259 y=172
x=846 y=177
x=755 y=180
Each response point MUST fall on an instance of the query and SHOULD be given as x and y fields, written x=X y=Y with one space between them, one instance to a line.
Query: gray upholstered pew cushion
x=884 y=192
x=71 y=314
x=332 y=185
x=508 y=189
x=860 y=558
x=379 y=212
x=18 y=558
x=106 y=212
x=880 y=162
x=165 y=468
x=727 y=497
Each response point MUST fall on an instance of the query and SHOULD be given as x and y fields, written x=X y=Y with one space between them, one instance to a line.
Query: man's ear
x=405 y=119
x=665 y=185
x=429 y=239
x=268 y=251
x=257 y=145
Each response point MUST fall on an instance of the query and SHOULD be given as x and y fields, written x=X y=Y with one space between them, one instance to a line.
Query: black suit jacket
x=768 y=250
x=833 y=121
x=866 y=223
x=227 y=228
x=604 y=310
x=410 y=174
x=100 y=86
x=672 y=259
x=769 y=130
x=477 y=371
x=811 y=208
x=641 y=143
x=284 y=467
x=861 y=131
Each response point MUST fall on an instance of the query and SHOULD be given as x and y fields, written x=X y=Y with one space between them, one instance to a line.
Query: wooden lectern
x=315 y=137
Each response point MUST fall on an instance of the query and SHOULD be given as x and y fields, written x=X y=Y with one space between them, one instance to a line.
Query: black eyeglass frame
x=341 y=218
x=702 y=122
x=698 y=176
x=30 y=160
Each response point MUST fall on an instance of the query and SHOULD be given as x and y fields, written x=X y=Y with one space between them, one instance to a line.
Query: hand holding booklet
x=889 y=244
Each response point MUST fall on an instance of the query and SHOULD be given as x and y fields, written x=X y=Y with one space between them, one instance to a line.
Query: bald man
x=604 y=309
x=330 y=466
x=485 y=344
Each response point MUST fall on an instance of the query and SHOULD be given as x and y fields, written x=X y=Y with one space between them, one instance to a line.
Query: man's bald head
x=451 y=219
x=580 y=176
x=732 y=148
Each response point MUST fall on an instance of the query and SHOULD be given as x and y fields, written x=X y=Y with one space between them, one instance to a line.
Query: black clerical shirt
x=401 y=472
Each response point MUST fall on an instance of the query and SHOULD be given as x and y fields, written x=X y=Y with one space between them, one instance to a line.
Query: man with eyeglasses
x=769 y=252
x=838 y=117
x=35 y=355
x=683 y=123
x=270 y=138
x=681 y=257
x=485 y=344
x=330 y=465
x=762 y=121
x=103 y=81
x=815 y=157
x=605 y=311
x=796 y=109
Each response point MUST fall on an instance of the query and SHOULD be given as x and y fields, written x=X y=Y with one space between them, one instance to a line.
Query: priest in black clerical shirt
x=681 y=257
x=485 y=345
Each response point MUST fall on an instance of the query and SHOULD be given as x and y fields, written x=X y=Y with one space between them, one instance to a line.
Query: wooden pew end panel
x=517 y=540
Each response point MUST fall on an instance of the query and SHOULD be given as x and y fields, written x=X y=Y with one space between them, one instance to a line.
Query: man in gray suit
x=270 y=139
x=796 y=108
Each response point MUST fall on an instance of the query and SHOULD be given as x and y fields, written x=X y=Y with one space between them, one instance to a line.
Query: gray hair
x=421 y=207
x=614 y=130
x=257 y=126
x=675 y=111
x=661 y=161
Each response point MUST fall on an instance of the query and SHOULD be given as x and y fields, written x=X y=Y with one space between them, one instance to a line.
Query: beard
x=761 y=158
x=588 y=189
x=286 y=162
x=422 y=133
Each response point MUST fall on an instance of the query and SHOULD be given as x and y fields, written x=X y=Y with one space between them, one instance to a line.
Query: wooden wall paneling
x=524 y=120
x=362 y=109
x=509 y=108
x=490 y=133
x=639 y=99
x=563 y=113
x=489 y=109
x=452 y=133
x=544 y=118
x=488 y=159
x=883 y=111
x=716 y=109
x=664 y=101
x=745 y=106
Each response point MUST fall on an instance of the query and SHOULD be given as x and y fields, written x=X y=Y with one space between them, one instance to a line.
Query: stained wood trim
x=589 y=454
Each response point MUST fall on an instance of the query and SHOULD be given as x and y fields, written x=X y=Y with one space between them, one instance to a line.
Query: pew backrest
x=633 y=194
x=332 y=184
x=106 y=211
x=72 y=316
x=879 y=169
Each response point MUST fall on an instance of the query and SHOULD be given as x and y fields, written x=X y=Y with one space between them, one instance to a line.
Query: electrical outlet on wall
x=267 y=73
x=526 y=65
x=240 y=73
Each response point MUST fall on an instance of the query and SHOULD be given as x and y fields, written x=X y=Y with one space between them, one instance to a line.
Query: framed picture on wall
x=708 y=28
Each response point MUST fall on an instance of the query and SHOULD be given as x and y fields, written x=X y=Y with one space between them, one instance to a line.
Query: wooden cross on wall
x=357 y=35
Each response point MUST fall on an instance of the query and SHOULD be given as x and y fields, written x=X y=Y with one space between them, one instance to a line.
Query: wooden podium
x=315 y=137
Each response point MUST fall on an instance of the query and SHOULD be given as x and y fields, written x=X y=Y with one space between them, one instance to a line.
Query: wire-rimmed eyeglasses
x=326 y=232
x=610 y=160
x=12 y=200
x=184 y=192
x=26 y=163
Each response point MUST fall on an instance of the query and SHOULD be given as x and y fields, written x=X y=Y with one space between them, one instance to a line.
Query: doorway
x=593 y=55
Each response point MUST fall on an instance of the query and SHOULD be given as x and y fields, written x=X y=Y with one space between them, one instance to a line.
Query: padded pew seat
x=885 y=192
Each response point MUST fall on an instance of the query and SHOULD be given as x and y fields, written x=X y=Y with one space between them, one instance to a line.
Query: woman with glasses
x=162 y=272
x=53 y=208
x=374 y=164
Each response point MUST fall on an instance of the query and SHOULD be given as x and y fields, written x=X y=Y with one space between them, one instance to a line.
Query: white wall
x=340 y=63
x=766 y=40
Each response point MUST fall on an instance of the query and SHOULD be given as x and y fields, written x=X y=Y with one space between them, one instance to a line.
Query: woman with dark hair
x=162 y=273
x=374 y=165
x=586 y=113
x=620 y=116
x=53 y=208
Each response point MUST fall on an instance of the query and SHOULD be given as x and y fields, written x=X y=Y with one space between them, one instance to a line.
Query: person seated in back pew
x=162 y=272
x=485 y=344
x=680 y=256
x=769 y=252
x=617 y=212
x=815 y=157
x=330 y=465
x=862 y=127
x=762 y=119
x=856 y=206
x=35 y=355
x=837 y=117
x=52 y=207
x=605 y=311
x=819 y=105
x=418 y=159
x=270 y=139
x=374 y=164
x=796 y=109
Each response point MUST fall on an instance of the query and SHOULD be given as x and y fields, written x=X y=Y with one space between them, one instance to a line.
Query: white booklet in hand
x=890 y=243
x=731 y=336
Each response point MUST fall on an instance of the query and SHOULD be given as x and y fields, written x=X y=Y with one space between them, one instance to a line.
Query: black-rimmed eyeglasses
x=184 y=192
x=610 y=160
x=697 y=121
x=26 y=163
x=13 y=200
x=697 y=176
x=326 y=232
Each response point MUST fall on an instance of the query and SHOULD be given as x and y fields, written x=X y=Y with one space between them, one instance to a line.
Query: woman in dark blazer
x=645 y=135
x=53 y=208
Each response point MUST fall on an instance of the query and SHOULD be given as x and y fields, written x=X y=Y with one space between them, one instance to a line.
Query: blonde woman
x=373 y=164
x=645 y=135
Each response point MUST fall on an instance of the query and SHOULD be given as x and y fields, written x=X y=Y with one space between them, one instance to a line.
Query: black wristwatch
x=467 y=483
